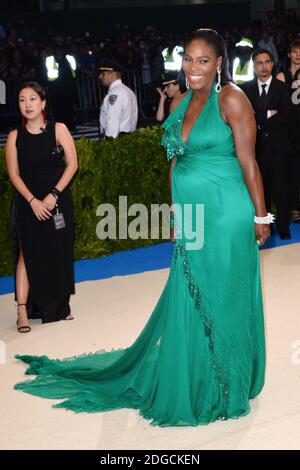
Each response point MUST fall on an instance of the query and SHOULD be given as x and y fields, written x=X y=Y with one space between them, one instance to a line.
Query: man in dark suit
x=271 y=103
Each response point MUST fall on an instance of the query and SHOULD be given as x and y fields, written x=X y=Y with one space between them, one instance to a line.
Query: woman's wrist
x=55 y=192
x=31 y=199
x=266 y=219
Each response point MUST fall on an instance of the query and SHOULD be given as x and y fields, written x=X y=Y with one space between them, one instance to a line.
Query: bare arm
x=65 y=139
x=13 y=167
x=11 y=155
x=238 y=113
x=160 y=113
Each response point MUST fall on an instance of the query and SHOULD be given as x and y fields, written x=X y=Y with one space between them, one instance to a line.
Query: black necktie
x=263 y=96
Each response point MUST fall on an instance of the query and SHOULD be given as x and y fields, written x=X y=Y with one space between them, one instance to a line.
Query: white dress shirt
x=119 y=110
x=260 y=83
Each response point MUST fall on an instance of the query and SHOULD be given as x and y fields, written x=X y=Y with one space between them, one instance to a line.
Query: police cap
x=110 y=66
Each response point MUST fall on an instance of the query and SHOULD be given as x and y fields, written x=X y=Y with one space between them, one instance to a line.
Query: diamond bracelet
x=268 y=219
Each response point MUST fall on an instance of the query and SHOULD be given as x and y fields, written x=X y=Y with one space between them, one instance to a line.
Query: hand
x=39 y=209
x=163 y=95
x=272 y=112
x=49 y=201
x=262 y=232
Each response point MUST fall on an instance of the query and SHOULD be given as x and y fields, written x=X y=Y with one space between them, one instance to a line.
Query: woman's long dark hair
x=36 y=87
x=215 y=40
x=40 y=91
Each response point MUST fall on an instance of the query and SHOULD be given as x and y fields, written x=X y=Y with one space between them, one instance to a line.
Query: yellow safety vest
x=242 y=74
x=53 y=67
x=173 y=58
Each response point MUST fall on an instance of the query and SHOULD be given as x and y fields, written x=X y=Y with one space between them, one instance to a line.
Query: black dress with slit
x=48 y=252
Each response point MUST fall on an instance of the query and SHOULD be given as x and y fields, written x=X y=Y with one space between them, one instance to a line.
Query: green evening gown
x=201 y=355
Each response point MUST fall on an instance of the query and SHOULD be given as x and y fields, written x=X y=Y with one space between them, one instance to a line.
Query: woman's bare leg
x=22 y=290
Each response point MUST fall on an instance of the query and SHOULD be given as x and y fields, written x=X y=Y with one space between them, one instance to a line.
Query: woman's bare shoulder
x=12 y=136
x=231 y=96
x=234 y=104
x=230 y=91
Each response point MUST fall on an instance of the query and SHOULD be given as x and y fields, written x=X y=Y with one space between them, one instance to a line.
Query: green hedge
x=134 y=165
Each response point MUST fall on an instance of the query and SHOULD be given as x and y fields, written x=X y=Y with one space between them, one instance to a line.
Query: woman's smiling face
x=200 y=64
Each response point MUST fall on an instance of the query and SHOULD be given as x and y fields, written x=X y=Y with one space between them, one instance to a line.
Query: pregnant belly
x=218 y=185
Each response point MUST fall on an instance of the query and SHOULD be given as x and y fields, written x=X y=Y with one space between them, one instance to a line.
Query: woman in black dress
x=41 y=161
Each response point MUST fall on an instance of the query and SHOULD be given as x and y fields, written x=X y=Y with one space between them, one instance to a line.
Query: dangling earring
x=24 y=120
x=44 y=116
x=218 y=85
x=187 y=84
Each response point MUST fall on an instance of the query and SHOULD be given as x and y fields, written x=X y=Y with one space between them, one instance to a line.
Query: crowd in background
x=23 y=48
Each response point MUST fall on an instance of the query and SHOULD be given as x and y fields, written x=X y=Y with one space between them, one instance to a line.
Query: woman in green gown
x=201 y=355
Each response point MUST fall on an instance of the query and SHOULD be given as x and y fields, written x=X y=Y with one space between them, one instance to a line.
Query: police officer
x=119 y=110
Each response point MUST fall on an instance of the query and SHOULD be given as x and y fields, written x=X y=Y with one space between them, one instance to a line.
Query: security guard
x=243 y=69
x=119 y=110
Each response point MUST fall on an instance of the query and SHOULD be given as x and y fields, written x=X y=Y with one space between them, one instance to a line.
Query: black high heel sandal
x=25 y=328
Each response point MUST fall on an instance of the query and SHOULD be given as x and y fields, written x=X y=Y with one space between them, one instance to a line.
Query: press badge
x=58 y=219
